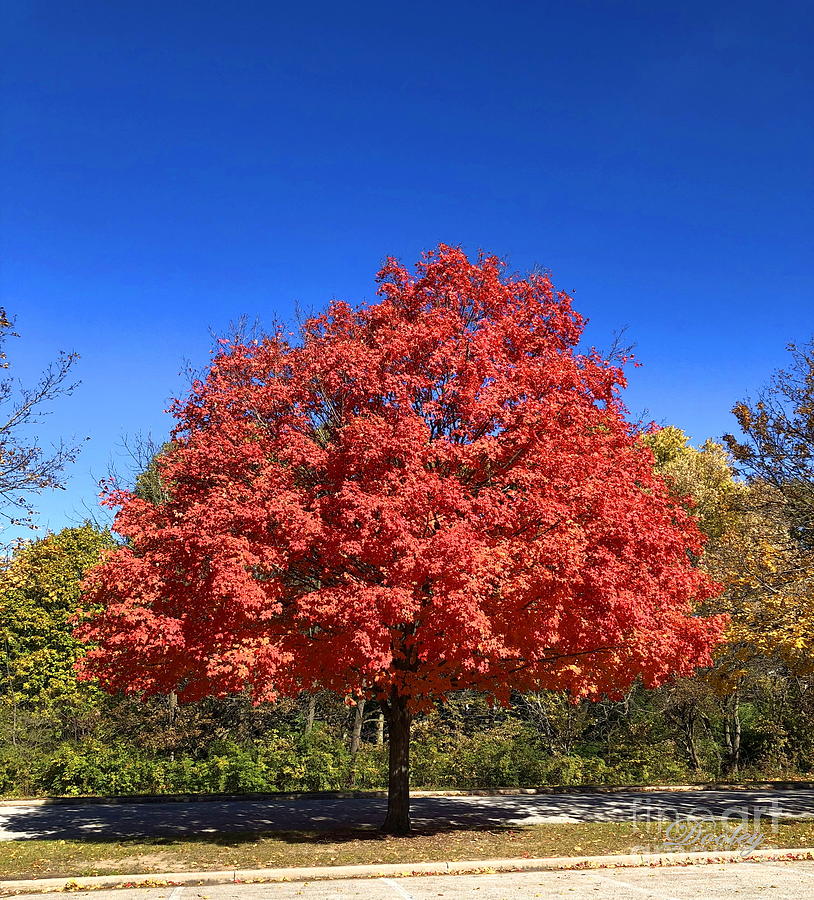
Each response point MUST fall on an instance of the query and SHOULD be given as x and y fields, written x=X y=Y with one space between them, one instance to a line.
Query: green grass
x=37 y=859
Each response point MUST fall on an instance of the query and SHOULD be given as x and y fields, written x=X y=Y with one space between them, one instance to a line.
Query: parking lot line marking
x=176 y=893
x=653 y=892
x=789 y=865
x=397 y=888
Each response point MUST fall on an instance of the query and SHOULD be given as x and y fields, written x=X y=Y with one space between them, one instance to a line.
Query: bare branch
x=26 y=467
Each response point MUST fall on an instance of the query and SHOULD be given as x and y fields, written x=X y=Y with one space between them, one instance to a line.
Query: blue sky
x=171 y=166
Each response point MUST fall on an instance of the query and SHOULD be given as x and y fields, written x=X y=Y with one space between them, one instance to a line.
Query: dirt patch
x=142 y=862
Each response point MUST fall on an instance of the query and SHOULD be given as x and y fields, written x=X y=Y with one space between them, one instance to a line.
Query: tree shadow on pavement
x=361 y=816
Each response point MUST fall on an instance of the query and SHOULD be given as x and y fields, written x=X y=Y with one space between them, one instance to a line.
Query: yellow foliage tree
x=39 y=593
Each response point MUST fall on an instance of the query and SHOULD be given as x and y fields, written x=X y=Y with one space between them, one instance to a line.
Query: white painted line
x=176 y=893
x=397 y=888
x=651 y=892
x=788 y=866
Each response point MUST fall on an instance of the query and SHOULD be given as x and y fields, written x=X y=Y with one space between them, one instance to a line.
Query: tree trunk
x=172 y=708
x=310 y=714
x=356 y=737
x=12 y=694
x=380 y=730
x=356 y=734
x=399 y=720
x=732 y=733
x=692 y=747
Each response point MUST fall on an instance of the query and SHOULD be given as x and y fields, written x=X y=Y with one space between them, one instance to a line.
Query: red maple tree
x=431 y=492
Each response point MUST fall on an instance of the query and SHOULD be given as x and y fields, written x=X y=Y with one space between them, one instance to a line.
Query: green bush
x=504 y=752
x=506 y=755
x=282 y=762
x=19 y=772
x=657 y=763
x=93 y=769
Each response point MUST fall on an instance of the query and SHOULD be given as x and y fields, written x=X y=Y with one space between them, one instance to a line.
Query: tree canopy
x=39 y=594
x=773 y=557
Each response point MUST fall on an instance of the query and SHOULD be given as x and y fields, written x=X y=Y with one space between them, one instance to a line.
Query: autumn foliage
x=431 y=492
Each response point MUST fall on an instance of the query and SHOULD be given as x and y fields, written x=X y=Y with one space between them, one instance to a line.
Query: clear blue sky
x=171 y=166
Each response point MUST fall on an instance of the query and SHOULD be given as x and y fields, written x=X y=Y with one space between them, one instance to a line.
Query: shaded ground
x=315 y=812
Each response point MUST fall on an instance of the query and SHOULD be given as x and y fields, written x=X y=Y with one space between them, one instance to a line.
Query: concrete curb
x=360 y=795
x=398 y=870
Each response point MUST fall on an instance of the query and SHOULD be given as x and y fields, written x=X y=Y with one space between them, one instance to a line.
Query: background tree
x=27 y=468
x=39 y=593
x=705 y=481
x=777 y=447
x=431 y=492
x=755 y=550
x=702 y=478
x=776 y=571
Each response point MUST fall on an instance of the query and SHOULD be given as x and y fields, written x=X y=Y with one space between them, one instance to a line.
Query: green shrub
x=93 y=769
x=19 y=772
x=282 y=762
x=508 y=753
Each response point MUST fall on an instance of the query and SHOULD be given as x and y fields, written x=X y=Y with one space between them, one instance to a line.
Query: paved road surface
x=326 y=813
x=746 y=881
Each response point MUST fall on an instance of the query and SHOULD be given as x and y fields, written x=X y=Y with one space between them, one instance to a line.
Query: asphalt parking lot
x=746 y=881
x=315 y=812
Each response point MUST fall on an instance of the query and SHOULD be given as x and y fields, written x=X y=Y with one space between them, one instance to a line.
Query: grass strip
x=63 y=858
